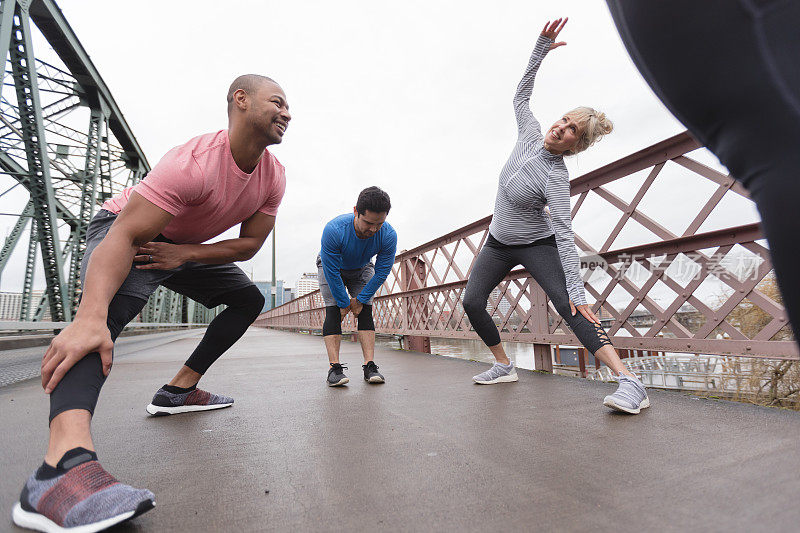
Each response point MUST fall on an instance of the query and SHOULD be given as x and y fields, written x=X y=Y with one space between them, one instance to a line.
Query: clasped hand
x=159 y=256
x=355 y=307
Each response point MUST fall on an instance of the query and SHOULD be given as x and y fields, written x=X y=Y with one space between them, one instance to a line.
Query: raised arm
x=526 y=122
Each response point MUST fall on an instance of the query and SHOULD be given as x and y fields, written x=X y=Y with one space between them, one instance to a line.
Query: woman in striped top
x=521 y=232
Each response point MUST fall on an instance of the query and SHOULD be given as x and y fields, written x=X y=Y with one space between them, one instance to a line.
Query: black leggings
x=541 y=260
x=728 y=69
x=80 y=387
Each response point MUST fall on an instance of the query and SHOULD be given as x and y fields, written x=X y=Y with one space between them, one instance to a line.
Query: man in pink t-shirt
x=150 y=235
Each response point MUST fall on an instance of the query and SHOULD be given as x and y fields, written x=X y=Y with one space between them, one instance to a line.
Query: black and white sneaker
x=371 y=373
x=336 y=375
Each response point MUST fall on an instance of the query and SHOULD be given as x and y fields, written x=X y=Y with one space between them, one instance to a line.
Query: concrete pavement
x=427 y=451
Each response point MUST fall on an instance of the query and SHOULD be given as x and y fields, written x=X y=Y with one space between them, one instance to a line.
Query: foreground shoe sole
x=375 y=379
x=609 y=402
x=158 y=410
x=340 y=382
x=39 y=522
x=502 y=379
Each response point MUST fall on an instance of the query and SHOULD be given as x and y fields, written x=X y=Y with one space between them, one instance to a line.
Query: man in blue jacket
x=345 y=265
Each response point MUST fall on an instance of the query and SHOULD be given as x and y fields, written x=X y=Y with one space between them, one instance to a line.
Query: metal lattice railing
x=687 y=291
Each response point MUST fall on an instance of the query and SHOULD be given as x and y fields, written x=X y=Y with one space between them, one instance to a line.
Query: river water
x=470 y=349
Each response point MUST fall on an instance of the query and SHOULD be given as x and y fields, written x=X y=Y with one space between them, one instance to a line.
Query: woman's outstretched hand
x=552 y=29
x=585 y=310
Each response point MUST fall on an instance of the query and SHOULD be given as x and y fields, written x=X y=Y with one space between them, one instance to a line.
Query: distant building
x=307 y=283
x=278 y=292
x=266 y=289
x=502 y=308
x=282 y=295
x=11 y=305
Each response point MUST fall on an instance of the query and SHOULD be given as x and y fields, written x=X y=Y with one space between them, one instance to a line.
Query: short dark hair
x=374 y=199
x=248 y=83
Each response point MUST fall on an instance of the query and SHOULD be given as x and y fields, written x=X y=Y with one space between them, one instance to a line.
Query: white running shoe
x=631 y=396
x=497 y=374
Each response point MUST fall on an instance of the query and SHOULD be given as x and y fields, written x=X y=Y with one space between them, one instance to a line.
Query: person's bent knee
x=252 y=300
x=365 y=320
x=333 y=321
x=247 y=301
x=473 y=306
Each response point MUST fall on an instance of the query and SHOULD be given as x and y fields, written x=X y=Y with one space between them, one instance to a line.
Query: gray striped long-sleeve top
x=531 y=179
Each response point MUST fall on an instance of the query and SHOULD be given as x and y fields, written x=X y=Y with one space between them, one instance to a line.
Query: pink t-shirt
x=200 y=184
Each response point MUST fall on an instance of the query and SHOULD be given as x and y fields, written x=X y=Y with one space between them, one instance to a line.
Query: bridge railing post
x=543 y=358
x=540 y=325
x=415 y=314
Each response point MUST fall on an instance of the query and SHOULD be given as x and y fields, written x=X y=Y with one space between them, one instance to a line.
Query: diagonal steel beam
x=59 y=34
x=88 y=195
x=30 y=266
x=41 y=187
x=7 y=11
x=16 y=233
x=10 y=166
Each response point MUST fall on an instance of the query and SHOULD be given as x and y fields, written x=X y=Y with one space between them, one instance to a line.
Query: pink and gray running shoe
x=168 y=402
x=78 y=496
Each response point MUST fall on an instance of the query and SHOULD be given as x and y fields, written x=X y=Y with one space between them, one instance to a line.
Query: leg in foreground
x=181 y=394
x=366 y=337
x=70 y=489
x=491 y=267
x=332 y=335
x=754 y=87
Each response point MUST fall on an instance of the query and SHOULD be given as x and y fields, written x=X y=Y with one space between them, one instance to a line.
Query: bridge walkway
x=427 y=451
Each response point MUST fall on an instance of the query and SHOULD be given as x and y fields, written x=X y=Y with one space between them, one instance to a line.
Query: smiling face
x=269 y=111
x=563 y=136
x=368 y=224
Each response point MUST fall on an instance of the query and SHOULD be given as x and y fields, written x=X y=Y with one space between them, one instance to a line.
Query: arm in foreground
x=109 y=264
x=252 y=234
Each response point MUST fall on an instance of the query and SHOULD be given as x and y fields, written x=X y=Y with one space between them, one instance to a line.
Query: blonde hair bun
x=595 y=124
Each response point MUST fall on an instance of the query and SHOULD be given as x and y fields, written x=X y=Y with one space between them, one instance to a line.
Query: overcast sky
x=414 y=97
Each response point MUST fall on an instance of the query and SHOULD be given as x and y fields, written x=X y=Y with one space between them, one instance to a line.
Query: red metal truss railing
x=693 y=290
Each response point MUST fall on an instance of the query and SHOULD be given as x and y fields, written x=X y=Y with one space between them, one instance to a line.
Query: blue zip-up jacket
x=343 y=250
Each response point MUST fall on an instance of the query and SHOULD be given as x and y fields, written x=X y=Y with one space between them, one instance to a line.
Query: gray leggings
x=541 y=260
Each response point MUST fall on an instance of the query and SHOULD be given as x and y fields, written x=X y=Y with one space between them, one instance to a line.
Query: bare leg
x=332 y=344
x=70 y=429
x=367 y=340
x=500 y=354
x=610 y=357
x=185 y=378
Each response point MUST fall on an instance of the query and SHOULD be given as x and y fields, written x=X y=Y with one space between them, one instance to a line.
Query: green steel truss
x=64 y=149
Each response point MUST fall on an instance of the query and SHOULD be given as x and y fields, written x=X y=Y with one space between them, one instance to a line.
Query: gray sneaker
x=497 y=374
x=631 y=397
x=336 y=375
